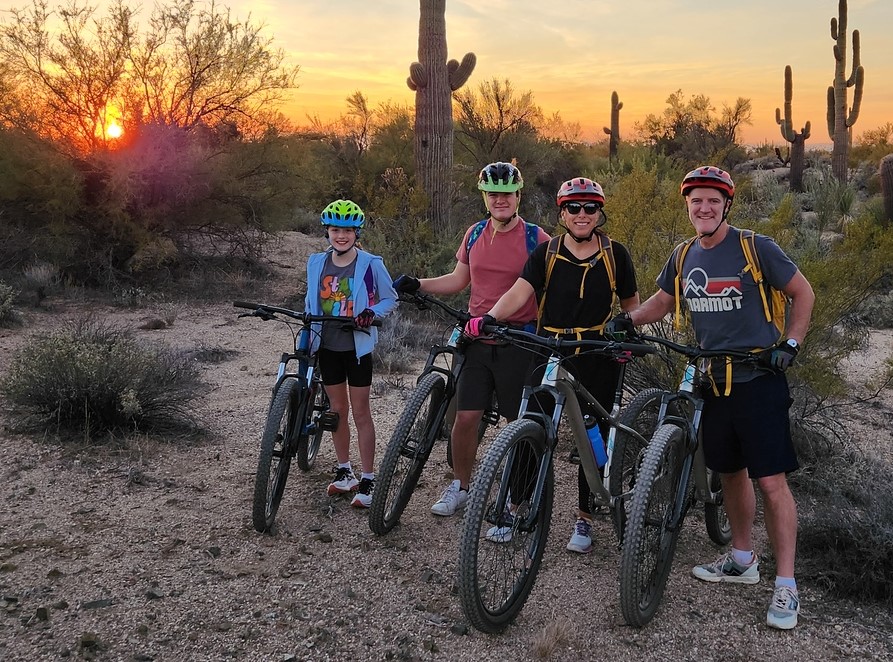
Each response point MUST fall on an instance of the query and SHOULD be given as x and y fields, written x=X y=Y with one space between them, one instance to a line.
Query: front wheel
x=311 y=435
x=506 y=525
x=275 y=454
x=640 y=414
x=407 y=453
x=649 y=542
x=718 y=526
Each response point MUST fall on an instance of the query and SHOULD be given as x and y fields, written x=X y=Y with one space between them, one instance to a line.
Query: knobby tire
x=407 y=453
x=648 y=544
x=275 y=455
x=495 y=578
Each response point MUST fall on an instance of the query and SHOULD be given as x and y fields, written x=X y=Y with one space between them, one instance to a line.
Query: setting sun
x=113 y=131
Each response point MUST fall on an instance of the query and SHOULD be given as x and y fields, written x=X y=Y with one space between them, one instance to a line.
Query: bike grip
x=246 y=304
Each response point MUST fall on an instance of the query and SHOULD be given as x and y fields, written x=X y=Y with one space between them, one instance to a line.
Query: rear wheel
x=275 y=454
x=407 y=453
x=311 y=436
x=718 y=526
x=640 y=414
x=648 y=542
x=502 y=544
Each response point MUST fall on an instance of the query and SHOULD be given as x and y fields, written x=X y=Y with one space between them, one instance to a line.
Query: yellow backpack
x=774 y=301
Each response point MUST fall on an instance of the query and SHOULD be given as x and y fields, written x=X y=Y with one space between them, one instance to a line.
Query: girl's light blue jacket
x=370 y=275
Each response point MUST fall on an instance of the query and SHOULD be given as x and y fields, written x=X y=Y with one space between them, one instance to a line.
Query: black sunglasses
x=574 y=208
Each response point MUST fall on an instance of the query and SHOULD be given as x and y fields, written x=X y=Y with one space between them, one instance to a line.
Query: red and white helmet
x=580 y=189
x=709 y=177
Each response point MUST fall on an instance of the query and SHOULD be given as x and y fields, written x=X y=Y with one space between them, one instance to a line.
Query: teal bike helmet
x=343 y=214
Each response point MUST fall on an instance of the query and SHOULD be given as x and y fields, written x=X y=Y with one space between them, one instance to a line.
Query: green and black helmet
x=343 y=214
x=500 y=177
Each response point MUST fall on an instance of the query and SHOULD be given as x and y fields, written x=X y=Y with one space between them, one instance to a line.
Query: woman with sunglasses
x=577 y=275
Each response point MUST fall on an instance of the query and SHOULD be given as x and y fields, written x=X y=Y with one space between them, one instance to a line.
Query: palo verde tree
x=690 y=130
x=796 y=138
x=433 y=80
x=841 y=118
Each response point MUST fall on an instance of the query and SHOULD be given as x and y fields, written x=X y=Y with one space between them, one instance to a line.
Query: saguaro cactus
x=840 y=117
x=434 y=79
x=886 y=174
x=797 y=139
x=614 y=131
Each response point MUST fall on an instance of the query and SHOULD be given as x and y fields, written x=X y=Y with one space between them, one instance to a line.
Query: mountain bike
x=509 y=506
x=671 y=479
x=426 y=417
x=298 y=413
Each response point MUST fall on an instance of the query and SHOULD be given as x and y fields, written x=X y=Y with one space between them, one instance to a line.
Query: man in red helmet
x=727 y=312
x=577 y=275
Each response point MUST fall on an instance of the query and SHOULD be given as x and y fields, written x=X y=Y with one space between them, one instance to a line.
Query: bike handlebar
x=267 y=312
x=693 y=352
x=550 y=342
x=423 y=300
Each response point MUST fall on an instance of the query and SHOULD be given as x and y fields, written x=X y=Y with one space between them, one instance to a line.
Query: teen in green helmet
x=495 y=181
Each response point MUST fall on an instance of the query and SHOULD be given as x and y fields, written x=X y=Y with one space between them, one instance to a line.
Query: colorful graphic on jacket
x=712 y=295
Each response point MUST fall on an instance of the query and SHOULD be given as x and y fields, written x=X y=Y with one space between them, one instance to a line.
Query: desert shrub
x=845 y=541
x=93 y=379
x=404 y=337
x=7 y=299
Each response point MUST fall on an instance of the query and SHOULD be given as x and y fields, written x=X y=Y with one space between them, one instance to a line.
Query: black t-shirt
x=565 y=306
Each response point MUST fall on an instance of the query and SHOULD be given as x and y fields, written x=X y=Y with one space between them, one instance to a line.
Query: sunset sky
x=573 y=54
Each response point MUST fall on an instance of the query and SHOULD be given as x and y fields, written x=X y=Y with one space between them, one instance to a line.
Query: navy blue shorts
x=750 y=429
x=488 y=368
x=340 y=367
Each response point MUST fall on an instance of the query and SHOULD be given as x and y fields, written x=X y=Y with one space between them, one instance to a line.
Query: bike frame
x=567 y=393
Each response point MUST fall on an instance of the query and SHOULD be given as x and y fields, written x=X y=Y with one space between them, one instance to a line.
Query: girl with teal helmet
x=346 y=281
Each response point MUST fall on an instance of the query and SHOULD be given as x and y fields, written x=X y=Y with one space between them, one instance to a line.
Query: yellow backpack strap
x=748 y=246
x=681 y=250
x=607 y=251
x=551 y=256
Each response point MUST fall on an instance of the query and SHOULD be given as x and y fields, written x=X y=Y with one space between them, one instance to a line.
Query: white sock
x=345 y=465
x=790 y=582
x=743 y=557
x=368 y=476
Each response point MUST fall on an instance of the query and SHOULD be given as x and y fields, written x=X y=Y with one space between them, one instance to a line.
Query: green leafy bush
x=93 y=379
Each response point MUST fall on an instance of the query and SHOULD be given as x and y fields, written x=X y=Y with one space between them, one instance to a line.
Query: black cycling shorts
x=340 y=367
x=493 y=368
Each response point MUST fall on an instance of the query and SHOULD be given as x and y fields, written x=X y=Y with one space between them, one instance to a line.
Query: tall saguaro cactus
x=614 y=131
x=840 y=117
x=797 y=139
x=434 y=79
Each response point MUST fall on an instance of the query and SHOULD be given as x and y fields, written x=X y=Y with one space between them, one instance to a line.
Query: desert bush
x=7 y=299
x=403 y=339
x=93 y=379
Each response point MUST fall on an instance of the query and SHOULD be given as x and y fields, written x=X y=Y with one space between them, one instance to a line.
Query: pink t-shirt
x=496 y=262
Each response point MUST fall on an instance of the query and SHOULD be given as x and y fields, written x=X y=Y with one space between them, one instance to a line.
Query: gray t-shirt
x=336 y=288
x=724 y=303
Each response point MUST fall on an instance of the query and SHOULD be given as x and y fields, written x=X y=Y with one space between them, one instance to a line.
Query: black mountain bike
x=509 y=507
x=298 y=413
x=426 y=418
x=672 y=478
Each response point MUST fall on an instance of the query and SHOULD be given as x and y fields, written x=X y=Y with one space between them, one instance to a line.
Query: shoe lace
x=451 y=493
x=783 y=597
x=366 y=486
x=341 y=473
x=582 y=528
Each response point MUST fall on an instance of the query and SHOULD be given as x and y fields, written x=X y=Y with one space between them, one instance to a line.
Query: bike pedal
x=491 y=417
x=328 y=421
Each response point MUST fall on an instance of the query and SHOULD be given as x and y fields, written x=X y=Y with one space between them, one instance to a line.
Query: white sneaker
x=783 y=609
x=450 y=501
x=344 y=481
x=581 y=540
x=504 y=529
x=363 y=497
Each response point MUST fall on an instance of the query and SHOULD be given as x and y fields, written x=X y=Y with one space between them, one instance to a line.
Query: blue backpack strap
x=532 y=234
x=473 y=236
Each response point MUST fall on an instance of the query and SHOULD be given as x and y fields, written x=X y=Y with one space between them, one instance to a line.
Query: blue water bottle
x=595 y=439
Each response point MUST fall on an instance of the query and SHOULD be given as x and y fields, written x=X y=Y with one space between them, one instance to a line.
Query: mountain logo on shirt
x=705 y=294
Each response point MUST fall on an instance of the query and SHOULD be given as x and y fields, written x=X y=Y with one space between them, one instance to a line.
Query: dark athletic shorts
x=340 y=367
x=750 y=428
x=489 y=368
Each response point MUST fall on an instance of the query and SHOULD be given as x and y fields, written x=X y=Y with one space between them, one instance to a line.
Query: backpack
x=774 y=301
x=531 y=236
x=606 y=252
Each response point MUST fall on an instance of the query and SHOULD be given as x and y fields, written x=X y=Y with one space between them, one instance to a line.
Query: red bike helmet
x=709 y=177
x=580 y=189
